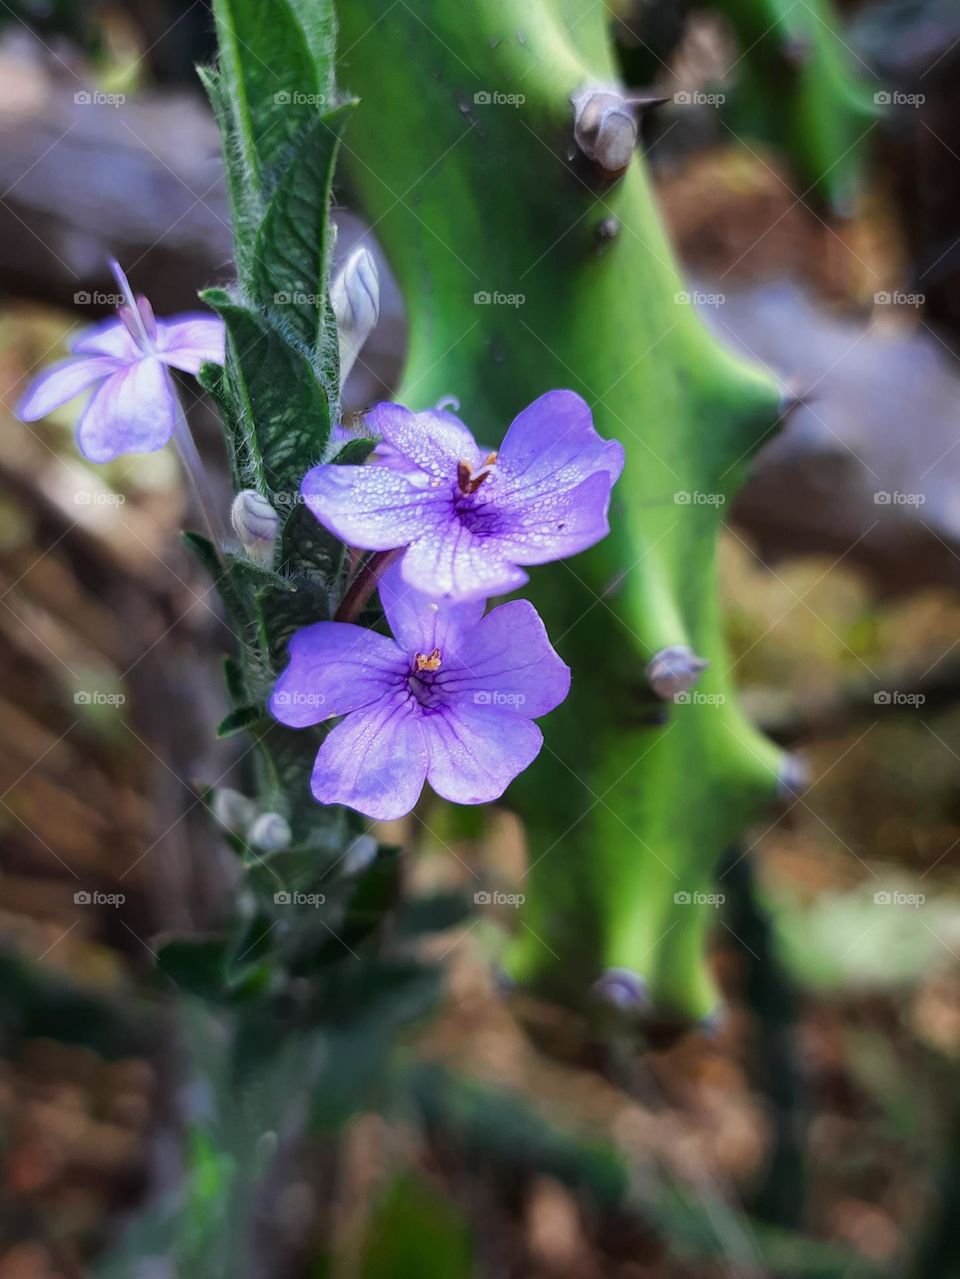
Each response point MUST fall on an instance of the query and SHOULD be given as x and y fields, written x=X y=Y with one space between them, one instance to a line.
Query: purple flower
x=134 y=406
x=469 y=518
x=448 y=700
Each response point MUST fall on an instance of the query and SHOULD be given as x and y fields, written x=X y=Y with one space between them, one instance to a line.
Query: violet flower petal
x=373 y=506
x=449 y=559
x=62 y=383
x=374 y=761
x=552 y=446
x=552 y=526
x=134 y=411
x=434 y=441
x=109 y=338
x=476 y=751
x=420 y=624
x=335 y=668
x=507 y=660
x=187 y=341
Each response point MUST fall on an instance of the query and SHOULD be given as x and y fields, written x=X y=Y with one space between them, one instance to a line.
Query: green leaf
x=244 y=201
x=195 y=964
x=286 y=414
x=293 y=245
x=272 y=79
x=414 y=1232
x=355 y=452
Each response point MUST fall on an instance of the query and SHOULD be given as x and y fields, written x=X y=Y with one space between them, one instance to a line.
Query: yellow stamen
x=427 y=662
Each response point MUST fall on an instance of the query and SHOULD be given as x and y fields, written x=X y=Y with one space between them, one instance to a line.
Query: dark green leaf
x=239 y=720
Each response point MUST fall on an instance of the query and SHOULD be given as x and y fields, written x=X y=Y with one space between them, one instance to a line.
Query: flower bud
x=256 y=524
x=232 y=810
x=793 y=779
x=674 y=670
x=360 y=854
x=270 y=833
x=355 y=296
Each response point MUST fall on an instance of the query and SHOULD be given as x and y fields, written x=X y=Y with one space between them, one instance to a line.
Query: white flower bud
x=355 y=296
x=270 y=833
x=674 y=670
x=232 y=810
x=793 y=779
x=256 y=524
x=359 y=855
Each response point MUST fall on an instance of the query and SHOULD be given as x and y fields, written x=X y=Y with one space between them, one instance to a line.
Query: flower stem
x=364 y=584
x=199 y=482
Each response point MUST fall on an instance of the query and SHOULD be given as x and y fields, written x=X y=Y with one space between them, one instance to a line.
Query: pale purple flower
x=449 y=700
x=134 y=405
x=469 y=517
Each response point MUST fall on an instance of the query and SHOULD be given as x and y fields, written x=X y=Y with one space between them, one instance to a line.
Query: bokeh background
x=825 y=1099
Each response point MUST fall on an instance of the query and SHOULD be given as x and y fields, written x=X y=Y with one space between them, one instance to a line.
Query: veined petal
x=62 y=383
x=451 y=560
x=374 y=507
x=551 y=526
x=475 y=752
x=507 y=661
x=335 y=668
x=551 y=447
x=434 y=441
x=134 y=411
x=187 y=341
x=109 y=338
x=420 y=623
x=375 y=761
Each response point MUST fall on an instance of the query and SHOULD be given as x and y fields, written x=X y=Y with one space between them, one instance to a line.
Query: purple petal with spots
x=63 y=383
x=335 y=668
x=134 y=411
x=374 y=506
x=469 y=521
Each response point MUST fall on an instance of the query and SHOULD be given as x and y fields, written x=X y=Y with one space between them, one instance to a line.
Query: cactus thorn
x=605 y=129
x=674 y=670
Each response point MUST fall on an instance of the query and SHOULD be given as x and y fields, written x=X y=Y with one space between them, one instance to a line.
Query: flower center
x=469 y=481
x=426 y=662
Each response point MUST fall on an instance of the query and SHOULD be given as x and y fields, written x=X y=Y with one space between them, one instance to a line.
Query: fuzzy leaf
x=292 y=255
x=239 y=720
x=286 y=414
